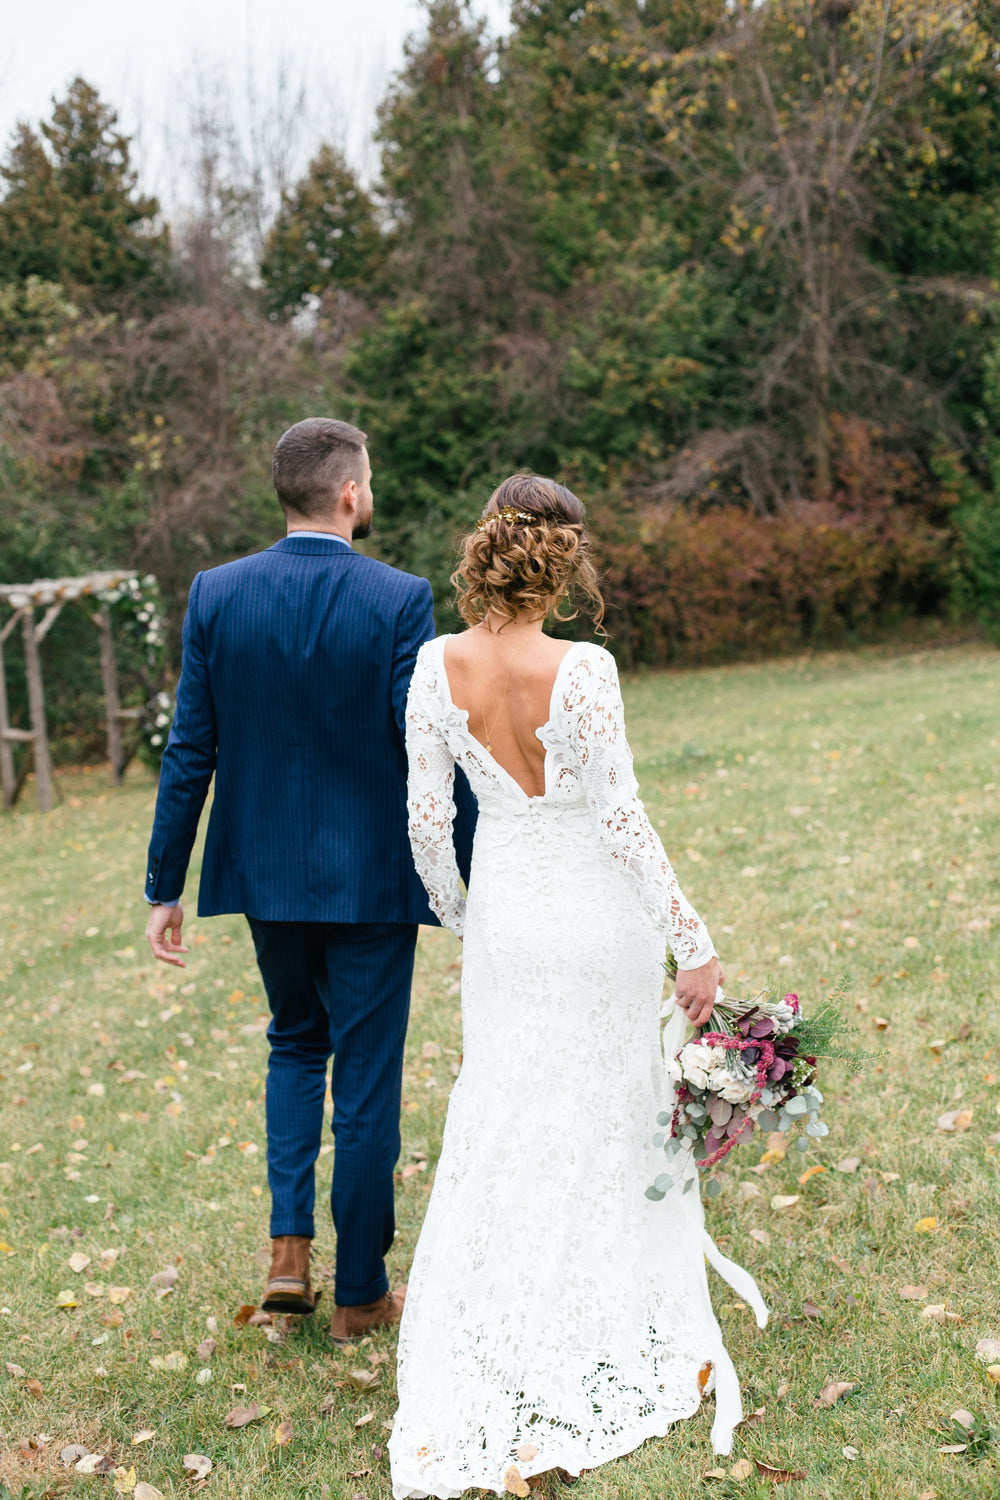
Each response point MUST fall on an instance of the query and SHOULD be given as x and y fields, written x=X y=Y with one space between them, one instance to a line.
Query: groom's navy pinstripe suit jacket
x=293 y=686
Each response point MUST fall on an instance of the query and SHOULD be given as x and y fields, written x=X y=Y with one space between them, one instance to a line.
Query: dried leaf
x=777 y=1475
x=714 y=1474
x=144 y=1491
x=283 y=1435
x=834 y=1390
x=78 y=1261
x=33 y=1387
x=204 y=1376
x=953 y=1448
x=144 y=1435
x=364 y=1380
x=914 y=1293
x=993 y=1373
x=963 y=1418
x=960 y=1119
x=528 y=1451
x=244 y=1315
x=197 y=1465
x=988 y=1350
x=514 y=1484
x=119 y=1294
x=124 y=1481
x=72 y=1454
x=369 y=1416
x=92 y=1463
x=850 y=1453
x=328 y=1405
x=849 y=1164
x=169 y=1276
x=926 y=1226
x=742 y=1470
x=781 y=1200
x=206 y=1349
x=761 y=1236
x=810 y=1310
x=16 y=1371
x=809 y=1173
x=938 y=1313
x=242 y=1416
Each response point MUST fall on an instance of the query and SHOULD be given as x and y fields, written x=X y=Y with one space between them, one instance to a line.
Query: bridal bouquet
x=753 y=1065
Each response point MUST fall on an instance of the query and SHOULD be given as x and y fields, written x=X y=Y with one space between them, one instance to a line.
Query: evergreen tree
x=326 y=235
x=71 y=212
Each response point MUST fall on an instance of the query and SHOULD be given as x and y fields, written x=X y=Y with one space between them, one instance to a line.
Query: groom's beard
x=363 y=528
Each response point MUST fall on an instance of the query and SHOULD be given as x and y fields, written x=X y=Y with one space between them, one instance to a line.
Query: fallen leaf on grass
x=206 y=1349
x=66 y=1299
x=94 y=1288
x=514 y=1484
x=124 y=1481
x=144 y=1491
x=776 y=1475
x=938 y=1313
x=33 y=1387
x=359 y=1474
x=242 y=1416
x=169 y=1276
x=988 y=1350
x=783 y=1200
x=16 y=1371
x=197 y=1465
x=364 y=1380
x=528 y=1451
x=72 y=1454
x=142 y=1436
x=993 y=1373
x=328 y=1405
x=810 y=1310
x=914 y=1293
x=808 y=1173
x=850 y=1453
x=94 y=1463
x=244 y=1315
x=119 y=1294
x=953 y=1448
x=833 y=1391
x=204 y=1376
x=742 y=1470
x=761 y=1236
x=955 y=1119
x=78 y=1261
x=283 y=1435
x=173 y=1361
x=753 y=1417
x=369 y=1416
x=714 y=1474
x=926 y=1226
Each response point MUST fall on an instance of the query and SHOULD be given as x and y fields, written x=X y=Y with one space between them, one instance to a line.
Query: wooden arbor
x=51 y=594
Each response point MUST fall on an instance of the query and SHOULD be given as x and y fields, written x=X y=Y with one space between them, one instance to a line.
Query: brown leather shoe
x=352 y=1323
x=289 y=1289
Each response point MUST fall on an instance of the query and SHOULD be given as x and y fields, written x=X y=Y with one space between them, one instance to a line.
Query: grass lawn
x=830 y=815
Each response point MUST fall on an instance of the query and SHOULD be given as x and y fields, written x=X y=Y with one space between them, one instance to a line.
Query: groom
x=293 y=689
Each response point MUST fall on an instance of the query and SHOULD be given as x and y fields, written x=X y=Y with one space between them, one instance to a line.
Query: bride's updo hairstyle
x=529 y=555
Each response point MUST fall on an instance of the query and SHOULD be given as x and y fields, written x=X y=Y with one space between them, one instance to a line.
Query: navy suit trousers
x=340 y=989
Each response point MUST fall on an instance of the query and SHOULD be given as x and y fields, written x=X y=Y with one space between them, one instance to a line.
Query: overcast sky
x=151 y=62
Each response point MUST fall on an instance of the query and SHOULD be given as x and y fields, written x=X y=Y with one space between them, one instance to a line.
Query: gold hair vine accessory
x=509 y=514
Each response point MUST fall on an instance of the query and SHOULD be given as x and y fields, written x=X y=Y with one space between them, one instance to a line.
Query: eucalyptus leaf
x=817 y=1128
x=767 y=1120
x=663 y=1182
x=802 y=1144
x=796 y=1107
x=654 y=1194
x=663 y=1118
x=713 y=1188
x=689 y=1185
x=658 y=1138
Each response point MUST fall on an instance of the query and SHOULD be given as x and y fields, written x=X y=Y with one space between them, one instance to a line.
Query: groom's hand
x=163 y=931
x=695 y=990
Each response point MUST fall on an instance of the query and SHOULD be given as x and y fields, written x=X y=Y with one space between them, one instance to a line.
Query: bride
x=555 y=1316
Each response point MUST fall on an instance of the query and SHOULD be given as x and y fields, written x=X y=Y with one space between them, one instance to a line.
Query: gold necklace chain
x=479 y=685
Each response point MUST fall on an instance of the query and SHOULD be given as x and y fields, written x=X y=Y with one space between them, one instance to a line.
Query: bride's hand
x=695 y=990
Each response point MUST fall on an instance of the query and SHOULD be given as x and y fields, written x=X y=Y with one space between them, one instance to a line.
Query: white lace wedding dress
x=556 y=1317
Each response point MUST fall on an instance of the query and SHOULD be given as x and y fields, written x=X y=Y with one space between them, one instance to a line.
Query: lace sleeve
x=430 y=798
x=595 y=714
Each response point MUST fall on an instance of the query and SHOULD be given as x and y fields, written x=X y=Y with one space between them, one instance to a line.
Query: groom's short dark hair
x=313 y=461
